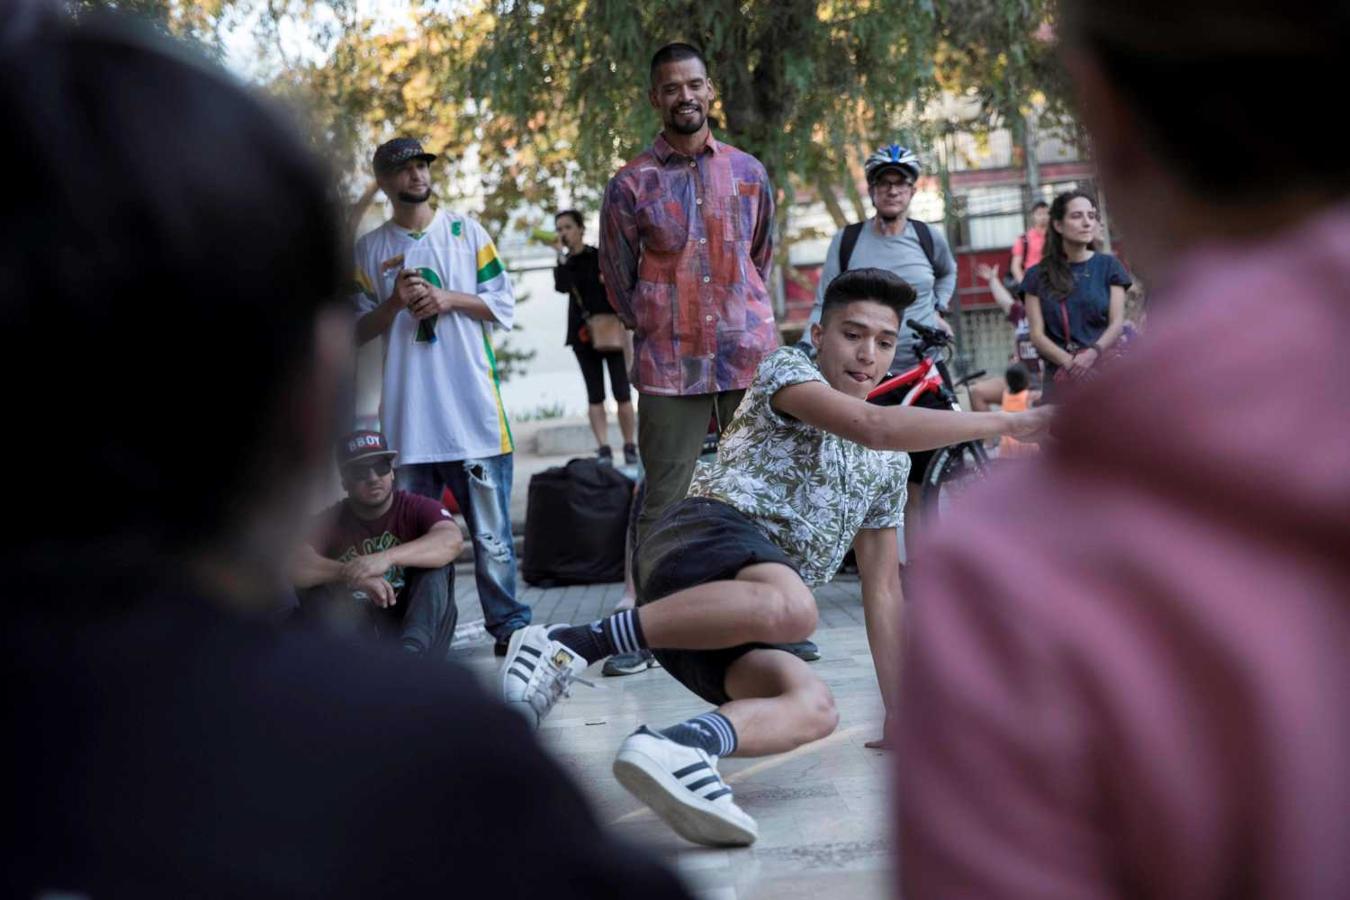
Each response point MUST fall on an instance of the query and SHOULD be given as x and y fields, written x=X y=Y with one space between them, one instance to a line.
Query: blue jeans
x=482 y=488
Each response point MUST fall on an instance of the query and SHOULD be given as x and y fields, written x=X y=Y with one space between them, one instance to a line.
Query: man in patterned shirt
x=432 y=284
x=685 y=249
x=806 y=469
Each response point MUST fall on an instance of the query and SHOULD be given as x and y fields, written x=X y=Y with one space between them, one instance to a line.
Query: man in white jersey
x=432 y=284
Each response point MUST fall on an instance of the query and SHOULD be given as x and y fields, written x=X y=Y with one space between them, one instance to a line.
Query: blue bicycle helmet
x=892 y=156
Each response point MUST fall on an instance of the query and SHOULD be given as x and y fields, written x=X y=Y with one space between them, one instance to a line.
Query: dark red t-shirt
x=340 y=535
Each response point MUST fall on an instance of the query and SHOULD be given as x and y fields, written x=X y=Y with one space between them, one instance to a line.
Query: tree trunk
x=855 y=174
x=781 y=253
x=831 y=201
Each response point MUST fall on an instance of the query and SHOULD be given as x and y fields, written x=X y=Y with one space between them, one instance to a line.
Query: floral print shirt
x=809 y=490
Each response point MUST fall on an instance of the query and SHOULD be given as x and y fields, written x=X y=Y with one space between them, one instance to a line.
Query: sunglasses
x=362 y=471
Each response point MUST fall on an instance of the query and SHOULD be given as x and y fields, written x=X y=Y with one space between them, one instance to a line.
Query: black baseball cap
x=392 y=154
x=361 y=445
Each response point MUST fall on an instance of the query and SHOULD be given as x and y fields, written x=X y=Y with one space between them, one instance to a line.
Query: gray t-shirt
x=903 y=255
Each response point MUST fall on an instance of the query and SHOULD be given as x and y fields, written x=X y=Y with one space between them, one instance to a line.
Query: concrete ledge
x=559 y=437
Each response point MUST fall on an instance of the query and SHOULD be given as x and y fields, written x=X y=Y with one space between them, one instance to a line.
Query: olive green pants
x=670 y=436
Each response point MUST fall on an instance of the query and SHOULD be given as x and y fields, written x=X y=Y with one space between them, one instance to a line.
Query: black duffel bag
x=575 y=524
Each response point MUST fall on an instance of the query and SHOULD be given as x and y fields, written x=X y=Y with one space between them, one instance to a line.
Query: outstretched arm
x=907 y=428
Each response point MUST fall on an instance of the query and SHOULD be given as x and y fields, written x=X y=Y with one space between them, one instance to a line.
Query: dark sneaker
x=630 y=455
x=803 y=650
x=630 y=663
x=605 y=455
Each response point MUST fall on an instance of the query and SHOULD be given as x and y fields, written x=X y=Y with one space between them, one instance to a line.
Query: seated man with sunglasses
x=382 y=560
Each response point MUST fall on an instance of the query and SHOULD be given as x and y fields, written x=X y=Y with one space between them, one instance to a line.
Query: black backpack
x=850 y=240
x=575 y=524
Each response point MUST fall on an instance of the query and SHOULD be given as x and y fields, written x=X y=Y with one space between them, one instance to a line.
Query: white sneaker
x=537 y=671
x=681 y=785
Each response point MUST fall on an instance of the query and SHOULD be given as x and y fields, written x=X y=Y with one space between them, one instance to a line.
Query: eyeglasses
x=362 y=471
x=898 y=187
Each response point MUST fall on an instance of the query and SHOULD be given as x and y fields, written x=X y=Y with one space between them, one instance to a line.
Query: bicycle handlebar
x=929 y=337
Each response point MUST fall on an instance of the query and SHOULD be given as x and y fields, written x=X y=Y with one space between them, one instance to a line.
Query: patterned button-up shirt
x=685 y=249
x=809 y=490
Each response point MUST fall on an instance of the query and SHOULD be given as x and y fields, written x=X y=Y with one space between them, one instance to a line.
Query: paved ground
x=822 y=810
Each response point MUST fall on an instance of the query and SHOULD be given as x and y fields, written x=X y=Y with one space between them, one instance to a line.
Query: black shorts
x=696 y=541
x=918 y=462
x=592 y=365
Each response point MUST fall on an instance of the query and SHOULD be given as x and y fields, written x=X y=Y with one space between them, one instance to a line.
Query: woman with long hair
x=1075 y=296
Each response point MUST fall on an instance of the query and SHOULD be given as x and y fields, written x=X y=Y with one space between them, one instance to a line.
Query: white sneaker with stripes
x=682 y=786
x=538 y=671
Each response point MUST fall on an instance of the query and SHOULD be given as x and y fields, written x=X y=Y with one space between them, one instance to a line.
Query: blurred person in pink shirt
x=1148 y=699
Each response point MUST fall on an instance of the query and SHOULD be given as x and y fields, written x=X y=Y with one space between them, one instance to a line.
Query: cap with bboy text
x=361 y=445
x=392 y=154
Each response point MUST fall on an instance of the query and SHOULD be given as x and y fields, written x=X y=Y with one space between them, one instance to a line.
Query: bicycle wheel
x=950 y=473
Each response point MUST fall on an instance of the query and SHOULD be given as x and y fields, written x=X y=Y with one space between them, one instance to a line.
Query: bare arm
x=1086 y=358
x=377 y=322
x=1004 y=299
x=1115 y=318
x=908 y=428
x=438 y=547
x=409 y=288
x=1019 y=254
x=883 y=600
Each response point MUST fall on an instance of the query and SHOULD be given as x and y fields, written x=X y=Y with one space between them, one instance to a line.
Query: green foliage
x=198 y=22
x=801 y=84
x=1001 y=52
x=541 y=413
x=551 y=97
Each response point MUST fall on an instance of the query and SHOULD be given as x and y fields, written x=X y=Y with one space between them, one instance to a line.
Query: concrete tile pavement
x=822 y=809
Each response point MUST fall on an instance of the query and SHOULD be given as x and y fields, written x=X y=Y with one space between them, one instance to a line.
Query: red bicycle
x=952 y=469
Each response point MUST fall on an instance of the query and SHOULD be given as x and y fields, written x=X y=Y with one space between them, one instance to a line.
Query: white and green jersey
x=441 y=400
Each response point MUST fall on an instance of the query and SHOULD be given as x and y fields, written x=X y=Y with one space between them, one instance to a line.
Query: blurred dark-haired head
x=1208 y=110
x=170 y=250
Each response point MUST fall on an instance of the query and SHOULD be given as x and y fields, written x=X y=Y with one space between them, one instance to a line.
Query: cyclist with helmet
x=919 y=254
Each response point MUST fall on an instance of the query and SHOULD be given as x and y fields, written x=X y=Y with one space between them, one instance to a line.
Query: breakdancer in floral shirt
x=806 y=469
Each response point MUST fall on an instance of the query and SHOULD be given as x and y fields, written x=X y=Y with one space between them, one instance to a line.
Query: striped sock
x=711 y=732
x=624 y=632
x=619 y=633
